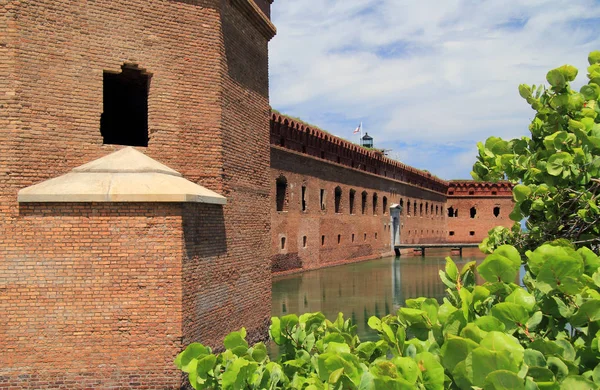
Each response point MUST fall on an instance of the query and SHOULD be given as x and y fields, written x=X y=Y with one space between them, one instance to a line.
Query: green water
x=361 y=290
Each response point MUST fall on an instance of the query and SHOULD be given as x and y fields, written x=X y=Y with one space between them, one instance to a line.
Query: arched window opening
x=322 y=199
x=426 y=207
x=401 y=206
x=421 y=209
x=352 y=194
x=415 y=209
x=437 y=210
x=451 y=212
x=497 y=211
x=338 y=199
x=364 y=202
x=281 y=197
x=408 y=207
x=385 y=205
x=473 y=212
x=375 y=204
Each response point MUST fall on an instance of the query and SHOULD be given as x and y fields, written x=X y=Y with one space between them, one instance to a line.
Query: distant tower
x=367 y=141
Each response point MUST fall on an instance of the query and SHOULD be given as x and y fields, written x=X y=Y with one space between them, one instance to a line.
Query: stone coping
x=123 y=176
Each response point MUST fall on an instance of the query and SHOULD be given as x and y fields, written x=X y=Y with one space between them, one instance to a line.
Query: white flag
x=358 y=128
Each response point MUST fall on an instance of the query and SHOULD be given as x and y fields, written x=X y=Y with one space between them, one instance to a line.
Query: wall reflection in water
x=364 y=289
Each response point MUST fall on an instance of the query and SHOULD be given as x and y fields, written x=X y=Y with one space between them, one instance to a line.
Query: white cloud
x=427 y=73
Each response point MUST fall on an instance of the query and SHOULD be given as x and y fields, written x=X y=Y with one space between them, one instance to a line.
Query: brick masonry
x=105 y=295
x=316 y=236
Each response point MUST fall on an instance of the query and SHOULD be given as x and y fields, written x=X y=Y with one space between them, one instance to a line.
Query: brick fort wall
x=97 y=295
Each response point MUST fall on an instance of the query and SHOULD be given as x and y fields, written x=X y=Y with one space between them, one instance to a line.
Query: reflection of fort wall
x=364 y=289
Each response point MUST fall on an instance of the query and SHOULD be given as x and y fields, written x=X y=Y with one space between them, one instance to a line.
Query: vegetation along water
x=488 y=332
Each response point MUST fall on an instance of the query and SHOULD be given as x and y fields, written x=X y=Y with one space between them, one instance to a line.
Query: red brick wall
x=316 y=174
x=91 y=293
x=207 y=104
x=484 y=198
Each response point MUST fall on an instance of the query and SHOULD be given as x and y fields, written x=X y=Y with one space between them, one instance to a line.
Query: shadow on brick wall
x=204 y=230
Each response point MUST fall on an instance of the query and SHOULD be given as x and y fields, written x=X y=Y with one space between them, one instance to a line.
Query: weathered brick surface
x=484 y=198
x=310 y=157
x=101 y=296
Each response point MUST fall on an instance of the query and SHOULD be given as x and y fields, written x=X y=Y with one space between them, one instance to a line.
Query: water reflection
x=364 y=289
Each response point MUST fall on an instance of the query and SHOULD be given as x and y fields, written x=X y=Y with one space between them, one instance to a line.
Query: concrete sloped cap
x=123 y=176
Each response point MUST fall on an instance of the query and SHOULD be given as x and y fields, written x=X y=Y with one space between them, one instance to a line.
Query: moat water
x=360 y=290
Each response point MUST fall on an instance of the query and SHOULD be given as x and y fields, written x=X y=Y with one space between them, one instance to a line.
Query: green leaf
x=432 y=371
x=560 y=272
x=481 y=362
x=569 y=72
x=455 y=350
x=512 y=315
x=275 y=330
x=531 y=357
x=496 y=268
x=522 y=298
x=541 y=374
x=489 y=323
x=521 y=192
x=594 y=57
x=503 y=380
x=451 y=270
x=576 y=382
x=588 y=312
x=556 y=79
x=590 y=259
x=499 y=341
x=236 y=342
x=191 y=352
x=408 y=368
x=557 y=163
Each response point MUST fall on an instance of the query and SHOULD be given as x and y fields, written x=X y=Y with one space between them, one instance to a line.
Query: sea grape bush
x=490 y=335
x=555 y=170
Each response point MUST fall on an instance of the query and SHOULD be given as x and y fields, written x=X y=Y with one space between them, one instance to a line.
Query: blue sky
x=428 y=79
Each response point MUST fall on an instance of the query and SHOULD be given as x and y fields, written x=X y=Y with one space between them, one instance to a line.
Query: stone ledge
x=123 y=176
x=257 y=17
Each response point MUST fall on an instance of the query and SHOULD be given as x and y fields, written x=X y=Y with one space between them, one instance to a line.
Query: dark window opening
x=364 y=202
x=352 y=194
x=450 y=192
x=451 y=233
x=352 y=237
x=471 y=233
x=124 y=120
x=494 y=193
x=352 y=165
x=282 y=141
x=431 y=210
x=322 y=154
x=415 y=209
x=365 y=238
x=452 y=213
x=473 y=212
x=303 y=198
x=322 y=240
x=437 y=210
x=421 y=209
x=281 y=184
x=426 y=208
x=496 y=211
x=401 y=206
x=339 y=238
x=338 y=199
x=408 y=208
x=322 y=199
x=338 y=160
x=385 y=205
x=471 y=192
x=304 y=242
x=282 y=242
x=375 y=235
x=375 y=204
x=303 y=149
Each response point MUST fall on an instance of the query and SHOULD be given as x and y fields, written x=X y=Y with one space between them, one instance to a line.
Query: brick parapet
x=294 y=135
x=470 y=188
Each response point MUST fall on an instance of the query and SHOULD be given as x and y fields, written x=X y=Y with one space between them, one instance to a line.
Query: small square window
x=451 y=233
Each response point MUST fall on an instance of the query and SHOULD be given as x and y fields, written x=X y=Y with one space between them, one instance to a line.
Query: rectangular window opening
x=304 y=242
x=451 y=233
x=322 y=199
x=303 y=198
x=124 y=120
